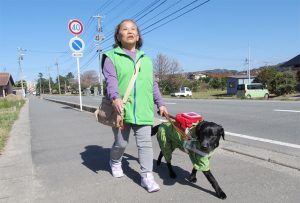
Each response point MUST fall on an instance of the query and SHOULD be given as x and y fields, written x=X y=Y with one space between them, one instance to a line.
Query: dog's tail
x=154 y=130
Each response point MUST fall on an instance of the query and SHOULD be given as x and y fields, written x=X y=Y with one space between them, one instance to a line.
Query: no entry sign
x=75 y=27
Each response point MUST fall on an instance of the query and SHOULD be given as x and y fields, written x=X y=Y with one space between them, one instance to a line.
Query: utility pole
x=249 y=64
x=50 y=90
x=65 y=87
x=40 y=85
x=20 y=58
x=58 y=77
x=99 y=38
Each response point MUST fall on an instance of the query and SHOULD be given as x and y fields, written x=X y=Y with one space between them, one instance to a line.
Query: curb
x=278 y=158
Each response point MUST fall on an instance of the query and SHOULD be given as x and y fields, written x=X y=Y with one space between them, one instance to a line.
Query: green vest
x=139 y=108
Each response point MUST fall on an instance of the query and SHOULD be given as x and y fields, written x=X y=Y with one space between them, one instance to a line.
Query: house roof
x=4 y=78
x=293 y=62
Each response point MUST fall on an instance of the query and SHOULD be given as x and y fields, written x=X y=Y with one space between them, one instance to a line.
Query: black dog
x=205 y=138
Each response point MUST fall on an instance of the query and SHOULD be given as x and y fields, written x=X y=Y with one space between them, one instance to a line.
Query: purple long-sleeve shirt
x=110 y=76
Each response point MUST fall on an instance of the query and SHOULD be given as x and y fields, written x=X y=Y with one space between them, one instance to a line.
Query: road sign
x=77 y=54
x=75 y=27
x=76 y=44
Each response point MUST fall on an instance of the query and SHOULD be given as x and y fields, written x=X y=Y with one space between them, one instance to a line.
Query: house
x=235 y=80
x=196 y=76
x=6 y=84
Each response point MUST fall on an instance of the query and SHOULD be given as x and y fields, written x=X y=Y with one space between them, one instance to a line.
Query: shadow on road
x=96 y=159
x=182 y=177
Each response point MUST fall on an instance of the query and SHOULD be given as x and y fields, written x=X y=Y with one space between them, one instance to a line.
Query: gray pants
x=143 y=141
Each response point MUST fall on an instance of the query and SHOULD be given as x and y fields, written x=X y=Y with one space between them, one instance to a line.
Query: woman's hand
x=163 y=109
x=118 y=104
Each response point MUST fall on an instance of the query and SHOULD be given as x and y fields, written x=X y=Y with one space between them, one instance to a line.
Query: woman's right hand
x=118 y=104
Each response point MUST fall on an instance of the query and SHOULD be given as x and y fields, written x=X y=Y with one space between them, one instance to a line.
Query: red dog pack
x=186 y=120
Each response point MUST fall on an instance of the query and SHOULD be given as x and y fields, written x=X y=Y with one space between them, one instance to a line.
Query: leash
x=186 y=137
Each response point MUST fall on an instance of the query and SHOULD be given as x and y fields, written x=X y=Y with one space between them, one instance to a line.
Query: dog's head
x=209 y=134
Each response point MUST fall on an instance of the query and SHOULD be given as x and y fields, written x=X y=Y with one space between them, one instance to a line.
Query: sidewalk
x=58 y=154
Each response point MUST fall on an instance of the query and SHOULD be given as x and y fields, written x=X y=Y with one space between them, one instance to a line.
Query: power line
x=175 y=12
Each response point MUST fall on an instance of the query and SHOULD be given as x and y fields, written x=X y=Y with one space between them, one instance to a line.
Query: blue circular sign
x=76 y=44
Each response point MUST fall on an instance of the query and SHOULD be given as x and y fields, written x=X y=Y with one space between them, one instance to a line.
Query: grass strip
x=9 y=111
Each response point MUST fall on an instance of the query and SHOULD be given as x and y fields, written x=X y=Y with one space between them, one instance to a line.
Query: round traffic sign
x=76 y=44
x=75 y=27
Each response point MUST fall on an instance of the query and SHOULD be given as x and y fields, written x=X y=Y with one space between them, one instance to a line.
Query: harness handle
x=187 y=137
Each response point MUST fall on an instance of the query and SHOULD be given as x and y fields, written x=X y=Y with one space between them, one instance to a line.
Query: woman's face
x=128 y=35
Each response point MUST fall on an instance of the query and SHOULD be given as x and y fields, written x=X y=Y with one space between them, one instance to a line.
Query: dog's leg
x=215 y=184
x=193 y=177
x=160 y=156
x=172 y=174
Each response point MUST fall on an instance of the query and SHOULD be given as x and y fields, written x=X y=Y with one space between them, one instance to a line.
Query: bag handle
x=131 y=83
x=187 y=137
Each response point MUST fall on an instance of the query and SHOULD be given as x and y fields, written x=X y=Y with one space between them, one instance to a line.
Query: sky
x=217 y=34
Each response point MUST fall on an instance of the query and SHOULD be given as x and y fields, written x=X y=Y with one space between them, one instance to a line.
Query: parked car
x=183 y=92
x=253 y=90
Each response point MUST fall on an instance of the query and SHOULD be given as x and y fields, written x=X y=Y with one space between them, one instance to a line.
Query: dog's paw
x=173 y=175
x=221 y=195
x=193 y=179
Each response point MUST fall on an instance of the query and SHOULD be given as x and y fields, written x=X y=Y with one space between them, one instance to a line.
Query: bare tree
x=175 y=67
x=161 y=66
x=168 y=71
x=89 y=78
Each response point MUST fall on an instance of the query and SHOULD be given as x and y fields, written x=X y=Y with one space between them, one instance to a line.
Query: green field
x=221 y=94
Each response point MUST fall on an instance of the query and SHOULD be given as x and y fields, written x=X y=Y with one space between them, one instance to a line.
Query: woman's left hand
x=162 y=109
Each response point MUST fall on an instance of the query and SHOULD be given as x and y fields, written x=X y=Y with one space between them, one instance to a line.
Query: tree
x=265 y=76
x=283 y=83
x=39 y=84
x=168 y=71
x=18 y=84
x=89 y=78
x=298 y=80
x=161 y=66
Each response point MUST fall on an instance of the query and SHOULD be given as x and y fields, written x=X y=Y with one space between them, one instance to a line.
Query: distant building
x=196 y=76
x=235 y=80
x=6 y=84
x=31 y=86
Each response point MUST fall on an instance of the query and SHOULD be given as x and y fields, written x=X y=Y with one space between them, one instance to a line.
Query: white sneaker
x=149 y=183
x=116 y=169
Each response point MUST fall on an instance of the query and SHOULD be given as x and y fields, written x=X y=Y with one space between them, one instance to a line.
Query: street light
x=21 y=54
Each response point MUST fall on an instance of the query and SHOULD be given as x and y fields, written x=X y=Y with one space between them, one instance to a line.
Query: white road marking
x=264 y=140
x=293 y=111
x=169 y=103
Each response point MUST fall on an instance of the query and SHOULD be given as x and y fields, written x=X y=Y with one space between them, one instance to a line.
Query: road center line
x=293 y=111
x=264 y=140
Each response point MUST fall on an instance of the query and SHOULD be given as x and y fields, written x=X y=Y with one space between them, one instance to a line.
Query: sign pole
x=77 y=46
x=79 y=86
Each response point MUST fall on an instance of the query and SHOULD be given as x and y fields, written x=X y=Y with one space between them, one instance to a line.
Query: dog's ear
x=199 y=128
x=222 y=132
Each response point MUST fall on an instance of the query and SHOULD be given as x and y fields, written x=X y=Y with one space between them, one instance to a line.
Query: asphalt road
x=276 y=122
x=58 y=154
